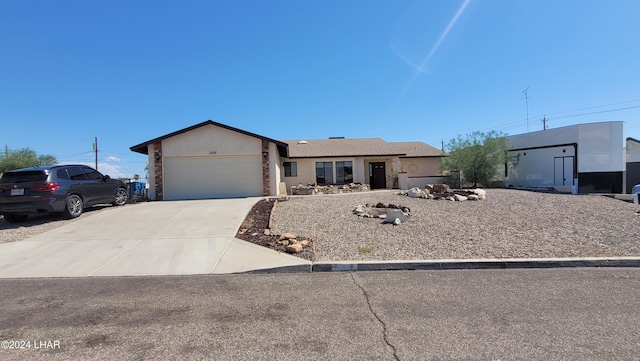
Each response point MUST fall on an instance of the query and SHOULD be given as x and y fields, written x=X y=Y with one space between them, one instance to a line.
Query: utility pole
x=95 y=147
x=6 y=150
x=544 y=123
x=442 y=145
x=526 y=99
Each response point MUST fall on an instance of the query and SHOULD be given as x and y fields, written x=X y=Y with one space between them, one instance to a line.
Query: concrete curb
x=449 y=264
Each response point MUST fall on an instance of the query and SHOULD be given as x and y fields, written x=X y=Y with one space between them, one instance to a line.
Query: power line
x=602 y=111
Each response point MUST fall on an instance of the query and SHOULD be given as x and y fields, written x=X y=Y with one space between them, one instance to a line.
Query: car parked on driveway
x=67 y=189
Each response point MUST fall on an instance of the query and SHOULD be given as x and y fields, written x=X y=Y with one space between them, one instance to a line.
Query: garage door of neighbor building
x=212 y=177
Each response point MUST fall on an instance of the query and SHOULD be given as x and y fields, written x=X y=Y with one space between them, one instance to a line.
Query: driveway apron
x=158 y=238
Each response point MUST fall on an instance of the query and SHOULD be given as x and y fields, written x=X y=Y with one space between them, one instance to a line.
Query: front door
x=377 y=175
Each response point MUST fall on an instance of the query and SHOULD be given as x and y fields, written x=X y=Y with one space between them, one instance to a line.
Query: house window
x=344 y=172
x=290 y=169
x=324 y=172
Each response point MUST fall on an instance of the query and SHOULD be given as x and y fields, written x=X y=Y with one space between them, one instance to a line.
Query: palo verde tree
x=477 y=157
x=23 y=158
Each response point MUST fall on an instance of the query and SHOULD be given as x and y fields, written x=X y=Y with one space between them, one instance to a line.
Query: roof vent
x=336 y=137
x=302 y=142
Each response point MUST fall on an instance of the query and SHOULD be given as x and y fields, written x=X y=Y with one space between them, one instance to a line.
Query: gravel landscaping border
x=508 y=224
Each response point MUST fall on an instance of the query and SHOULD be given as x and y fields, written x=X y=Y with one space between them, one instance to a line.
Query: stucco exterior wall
x=210 y=140
x=421 y=167
x=307 y=170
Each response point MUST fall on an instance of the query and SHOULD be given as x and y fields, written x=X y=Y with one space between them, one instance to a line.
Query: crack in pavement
x=384 y=325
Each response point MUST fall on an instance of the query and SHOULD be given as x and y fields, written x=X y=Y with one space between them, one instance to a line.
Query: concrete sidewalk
x=158 y=238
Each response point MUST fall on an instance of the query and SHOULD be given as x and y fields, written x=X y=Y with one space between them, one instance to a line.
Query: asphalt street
x=520 y=314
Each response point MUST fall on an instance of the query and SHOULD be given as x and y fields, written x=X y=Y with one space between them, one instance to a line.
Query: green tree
x=23 y=158
x=477 y=157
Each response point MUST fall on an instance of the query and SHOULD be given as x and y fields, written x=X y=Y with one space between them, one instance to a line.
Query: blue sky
x=129 y=71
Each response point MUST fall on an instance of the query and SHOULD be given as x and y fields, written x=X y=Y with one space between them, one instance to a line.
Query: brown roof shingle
x=357 y=147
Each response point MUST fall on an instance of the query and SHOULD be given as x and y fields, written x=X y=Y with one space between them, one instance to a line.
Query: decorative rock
x=382 y=216
x=359 y=210
x=473 y=197
x=294 y=248
x=450 y=198
x=293 y=241
x=414 y=192
x=304 y=242
x=425 y=194
x=287 y=236
x=393 y=206
x=459 y=198
x=482 y=194
x=381 y=205
x=396 y=222
x=395 y=214
x=405 y=209
x=441 y=188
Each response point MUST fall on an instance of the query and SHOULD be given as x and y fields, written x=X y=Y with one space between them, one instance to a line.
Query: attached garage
x=212 y=160
x=212 y=177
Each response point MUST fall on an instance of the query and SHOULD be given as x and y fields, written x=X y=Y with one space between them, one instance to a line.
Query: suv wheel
x=121 y=197
x=15 y=218
x=74 y=206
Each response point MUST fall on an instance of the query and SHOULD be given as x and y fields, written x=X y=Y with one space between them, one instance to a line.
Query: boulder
x=396 y=222
x=294 y=248
x=414 y=192
x=359 y=210
x=481 y=193
x=396 y=213
x=473 y=197
x=287 y=236
x=459 y=198
x=441 y=188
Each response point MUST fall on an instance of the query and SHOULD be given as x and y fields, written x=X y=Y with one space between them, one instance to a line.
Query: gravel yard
x=39 y=223
x=508 y=224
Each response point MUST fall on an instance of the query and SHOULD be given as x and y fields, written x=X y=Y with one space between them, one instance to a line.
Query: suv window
x=76 y=173
x=62 y=174
x=22 y=177
x=92 y=174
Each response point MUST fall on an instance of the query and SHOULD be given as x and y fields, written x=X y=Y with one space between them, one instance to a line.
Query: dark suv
x=57 y=188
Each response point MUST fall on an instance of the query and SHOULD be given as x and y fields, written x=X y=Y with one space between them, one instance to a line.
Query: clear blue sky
x=129 y=71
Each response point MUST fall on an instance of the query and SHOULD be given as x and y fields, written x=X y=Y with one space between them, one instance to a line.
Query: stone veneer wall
x=157 y=156
x=265 y=169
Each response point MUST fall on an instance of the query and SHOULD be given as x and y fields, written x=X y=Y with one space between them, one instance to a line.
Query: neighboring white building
x=633 y=163
x=583 y=158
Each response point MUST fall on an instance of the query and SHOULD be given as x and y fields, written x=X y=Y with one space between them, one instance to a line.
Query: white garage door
x=212 y=177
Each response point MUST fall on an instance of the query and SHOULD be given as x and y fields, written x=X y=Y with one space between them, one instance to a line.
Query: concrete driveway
x=158 y=238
